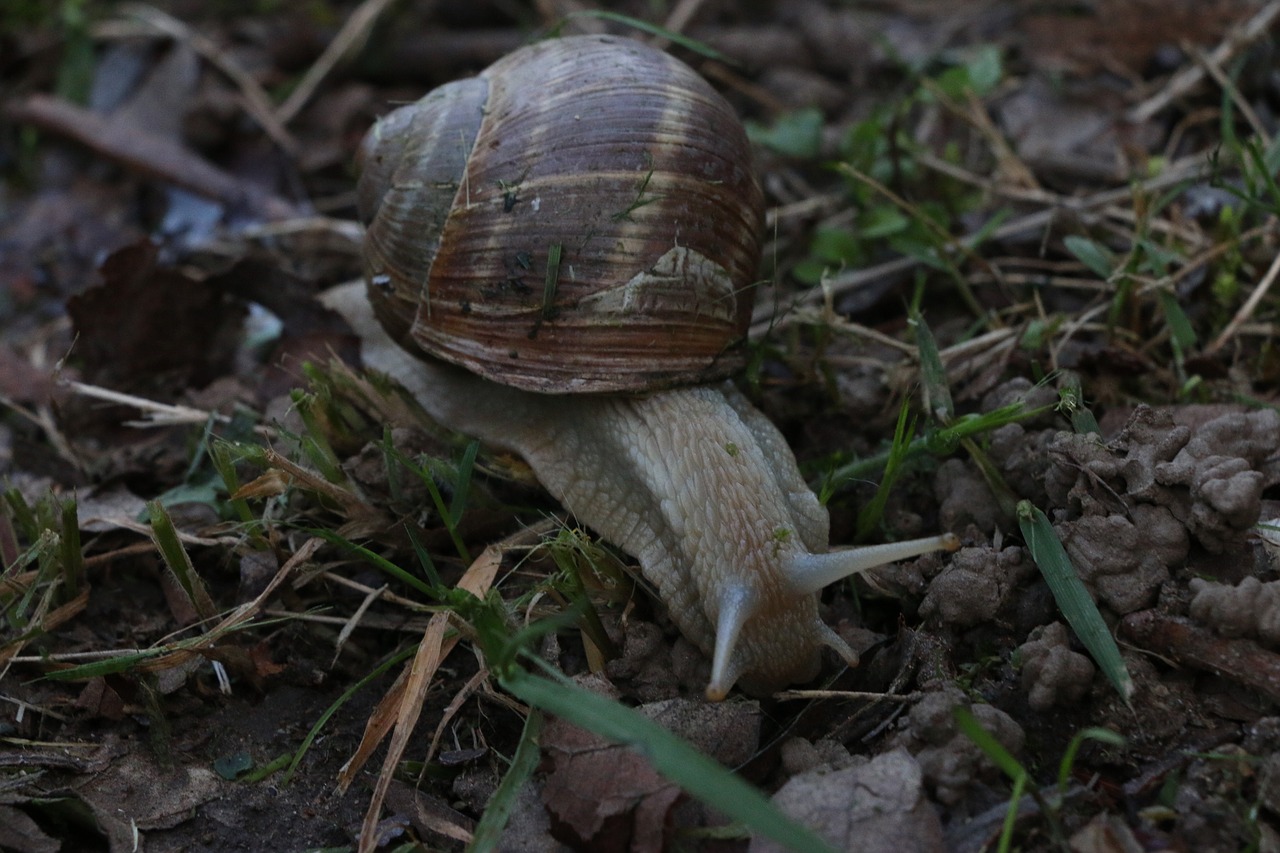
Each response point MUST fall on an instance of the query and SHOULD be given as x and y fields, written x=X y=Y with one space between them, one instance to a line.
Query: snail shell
x=581 y=217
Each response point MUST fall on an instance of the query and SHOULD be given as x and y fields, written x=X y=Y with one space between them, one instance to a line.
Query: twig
x=156 y=414
x=349 y=40
x=147 y=154
x=256 y=102
x=1215 y=71
x=681 y=15
x=1188 y=78
x=846 y=694
x=770 y=316
x=1246 y=310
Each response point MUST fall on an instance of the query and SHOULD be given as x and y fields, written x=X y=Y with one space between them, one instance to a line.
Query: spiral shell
x=580 y=217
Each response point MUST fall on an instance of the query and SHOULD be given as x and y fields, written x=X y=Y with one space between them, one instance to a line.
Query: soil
x=178 y=188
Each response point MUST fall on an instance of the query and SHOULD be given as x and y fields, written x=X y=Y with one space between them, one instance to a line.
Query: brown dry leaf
x=361 y=517
x=604 y=796
x=147 y=326
x=269 y=485
x=100 y=699
x=263 y=665
x=134 y=793
x=430 y=814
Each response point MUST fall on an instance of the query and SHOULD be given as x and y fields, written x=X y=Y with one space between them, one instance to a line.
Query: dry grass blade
x=769 y=315
x=176 y=558
x=47 y=622
x=257 y=103
x=354 y=508
x=408 y=694
x=156 y=414
x=1189 y=77
x=450 y=712
x=352 y=36
x=241 y=614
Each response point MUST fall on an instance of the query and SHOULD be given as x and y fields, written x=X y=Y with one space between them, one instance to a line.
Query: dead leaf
x=135 y=792
x=604 y=796
x=430 y=814
x=1123 y=33
x=147 y=327
x=101 y=700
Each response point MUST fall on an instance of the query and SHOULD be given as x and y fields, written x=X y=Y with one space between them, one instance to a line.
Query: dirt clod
x=1052 y=673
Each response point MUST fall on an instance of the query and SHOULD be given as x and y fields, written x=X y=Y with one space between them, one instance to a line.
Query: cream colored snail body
x=560 y=261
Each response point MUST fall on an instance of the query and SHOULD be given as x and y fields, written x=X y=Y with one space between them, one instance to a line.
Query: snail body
x=581 y=309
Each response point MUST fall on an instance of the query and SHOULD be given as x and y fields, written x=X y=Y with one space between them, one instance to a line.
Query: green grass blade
x=1072 y=597
x=462 y=483
x=1097 y=257
x=111 y=666
x=938 y=442
x=426 y=475
x=933 y=375
x=424 y=557
x=1011 y=815
x=498 y=810
x=672 y=757
x=654 y=30
x=987 y=742
x=379 y=562
x=224 y=454
x=1181 y=333
x=869 y=515
x=72 y=559
x=23 y=518
x=1069 y=757
x=165 y=535
x=399 y=657
x=1071 y=403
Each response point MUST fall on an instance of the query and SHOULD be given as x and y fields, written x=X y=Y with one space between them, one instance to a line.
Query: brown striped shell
x=580 y=217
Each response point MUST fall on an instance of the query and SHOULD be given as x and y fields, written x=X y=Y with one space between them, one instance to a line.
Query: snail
x=559 y=261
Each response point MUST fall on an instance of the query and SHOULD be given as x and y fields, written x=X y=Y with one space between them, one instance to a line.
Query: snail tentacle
x=809 y=573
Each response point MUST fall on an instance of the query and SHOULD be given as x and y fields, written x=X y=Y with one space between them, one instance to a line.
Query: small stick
x=147 y=154
x=1246 y=310
x=1188 y=78
x=352 y=36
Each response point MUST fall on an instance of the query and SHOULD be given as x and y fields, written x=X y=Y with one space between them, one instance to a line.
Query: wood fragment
x=1242 y=661
x=146 y=154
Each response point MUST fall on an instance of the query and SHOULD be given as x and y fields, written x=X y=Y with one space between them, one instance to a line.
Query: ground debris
x=607 y=797
x=1251 y=608
x=1052 y=673
x=949 y=760
x=876 y=806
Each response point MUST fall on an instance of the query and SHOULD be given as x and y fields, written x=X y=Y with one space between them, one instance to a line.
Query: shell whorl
x=602 y=225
